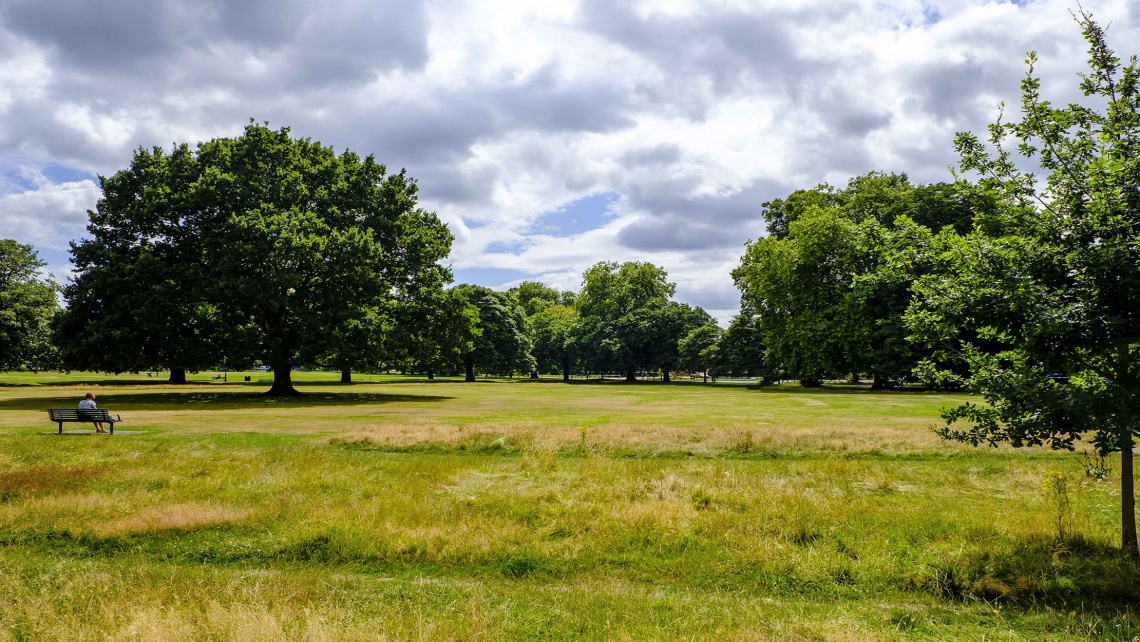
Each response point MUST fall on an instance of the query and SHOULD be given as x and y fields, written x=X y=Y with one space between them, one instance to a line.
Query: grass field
x=402 y=509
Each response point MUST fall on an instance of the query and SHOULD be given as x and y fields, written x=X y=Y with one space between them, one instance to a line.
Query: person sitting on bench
x=88 y=403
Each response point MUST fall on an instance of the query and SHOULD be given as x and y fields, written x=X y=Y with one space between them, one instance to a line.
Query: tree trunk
x=534 y=374
x=566 y=371
x=1128 y=502
x=177 y=375
x=631 y=375
x=706 y=376
x=346 y=375
x=664 y=376
x=469 y=365
x=877 y=382
x=282 y=381
x=431 y=375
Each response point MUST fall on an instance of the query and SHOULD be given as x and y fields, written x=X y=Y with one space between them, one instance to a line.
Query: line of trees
x=265 y=248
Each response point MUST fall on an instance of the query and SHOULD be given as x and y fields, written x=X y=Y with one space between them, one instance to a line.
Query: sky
x=548 y=135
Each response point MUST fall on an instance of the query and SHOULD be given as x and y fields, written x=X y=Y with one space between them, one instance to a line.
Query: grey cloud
x=727 y=49
x=654 y=234
x=949 y=90
x=98 y=34
x=674 y=220
x=172 y=41
x=858 y=124
x=664 y=154
x=547 y=102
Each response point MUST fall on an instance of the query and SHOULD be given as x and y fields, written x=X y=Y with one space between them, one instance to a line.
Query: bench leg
x=112 y=427
x=61 y=427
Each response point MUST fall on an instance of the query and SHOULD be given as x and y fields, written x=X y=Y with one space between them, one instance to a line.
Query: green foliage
x=436 y=330
x=261 y=246
x=535 y=297
x=740 y=350
x=1047 y=283
x=699 y=349
x=27 y=307
x=827 y=300
x=554 y=330
x=629 y=321
x=502 y=344
x=800 y=287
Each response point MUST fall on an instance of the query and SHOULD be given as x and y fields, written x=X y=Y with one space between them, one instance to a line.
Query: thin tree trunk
x=177 y=375
x=665 y=376
x=631 y=375
x=346 y=375
x=431 y=375
x=282 y=381
x=706 y=376
x=469 y=365
x=566 y=371
x=534 y=374
x=1128 y=502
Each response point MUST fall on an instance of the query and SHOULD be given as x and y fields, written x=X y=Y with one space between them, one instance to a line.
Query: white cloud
x=50 y=215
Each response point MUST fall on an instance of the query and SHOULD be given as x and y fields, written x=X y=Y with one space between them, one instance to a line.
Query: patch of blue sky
x=493 y=278
x=577 y=216
x=931 y=15
x=61 y=174
x=19 y=175
x=503 y=247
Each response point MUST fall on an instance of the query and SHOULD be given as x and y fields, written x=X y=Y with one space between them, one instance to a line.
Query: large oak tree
x=274 y=240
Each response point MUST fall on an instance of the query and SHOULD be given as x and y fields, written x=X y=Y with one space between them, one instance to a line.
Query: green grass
x=399 y=509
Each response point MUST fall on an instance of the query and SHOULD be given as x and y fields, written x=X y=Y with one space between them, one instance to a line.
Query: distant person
x=88 y=403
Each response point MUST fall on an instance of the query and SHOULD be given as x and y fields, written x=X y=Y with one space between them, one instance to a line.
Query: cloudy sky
x=549 y=135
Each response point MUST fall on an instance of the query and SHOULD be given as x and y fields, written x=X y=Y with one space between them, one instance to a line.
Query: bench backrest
x=78 y=414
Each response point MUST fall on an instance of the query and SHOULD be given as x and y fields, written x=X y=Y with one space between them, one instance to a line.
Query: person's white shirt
x=87 y=404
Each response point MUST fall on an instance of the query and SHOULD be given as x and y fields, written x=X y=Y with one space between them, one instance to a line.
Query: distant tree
x=740 y=350
x=554 y=331
x=361 y=342
x=502 y=345
x=670 y=325
x=27 y=306
x=799 y=287
x=620 y=308
x=698 y=350
x=1048 y=283
x=436 y=331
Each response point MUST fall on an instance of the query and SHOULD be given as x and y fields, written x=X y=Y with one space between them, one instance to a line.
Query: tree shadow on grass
x=1060 y=573
x=216 y=400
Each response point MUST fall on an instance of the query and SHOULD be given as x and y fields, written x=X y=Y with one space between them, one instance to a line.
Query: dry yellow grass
x=177 y=517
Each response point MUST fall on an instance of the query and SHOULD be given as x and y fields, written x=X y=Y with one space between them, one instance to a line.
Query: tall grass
x=415 y=510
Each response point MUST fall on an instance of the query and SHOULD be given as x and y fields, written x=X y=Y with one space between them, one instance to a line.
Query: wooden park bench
x=81 y=415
